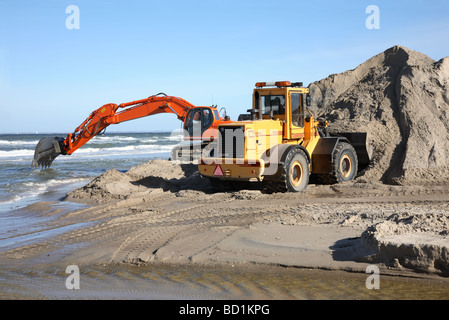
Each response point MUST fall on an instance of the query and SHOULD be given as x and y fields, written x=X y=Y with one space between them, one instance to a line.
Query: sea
x=21 y=185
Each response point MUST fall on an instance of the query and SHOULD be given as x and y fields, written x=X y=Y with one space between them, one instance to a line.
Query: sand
x=395 y=214
x=342 y=226
x=165 y=212
x=400 y=98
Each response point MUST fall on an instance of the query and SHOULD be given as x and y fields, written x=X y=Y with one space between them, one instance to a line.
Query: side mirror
x=308 y=100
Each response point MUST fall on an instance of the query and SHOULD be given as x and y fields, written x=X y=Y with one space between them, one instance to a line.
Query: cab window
x=206 y=119
x=296 y=106
x=198 y=120
x=275 y=103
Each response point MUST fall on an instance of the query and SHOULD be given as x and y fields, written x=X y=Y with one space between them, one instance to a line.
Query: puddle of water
x=27 y=225
x=199 y=283
x=22 y=240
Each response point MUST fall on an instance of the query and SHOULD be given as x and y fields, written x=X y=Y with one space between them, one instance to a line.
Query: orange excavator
x=200 y=125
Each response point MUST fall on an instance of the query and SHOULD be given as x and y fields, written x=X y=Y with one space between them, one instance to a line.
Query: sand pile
x=401 y=98
x=415 y=241
x=140 y=180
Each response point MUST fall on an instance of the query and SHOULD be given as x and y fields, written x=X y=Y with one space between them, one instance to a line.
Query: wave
x=97 y=139
x=18 y=143
x=133 y=149
x=34 y=189
x=43 y=186
x=174 y=137
x=102 y=140
x=114 y=139
x=17 y=153
x=11 y=200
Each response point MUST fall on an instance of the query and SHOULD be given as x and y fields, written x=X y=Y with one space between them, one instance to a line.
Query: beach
x=163 y=215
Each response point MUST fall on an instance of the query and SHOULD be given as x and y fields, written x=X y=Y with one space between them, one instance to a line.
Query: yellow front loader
x=281 y=144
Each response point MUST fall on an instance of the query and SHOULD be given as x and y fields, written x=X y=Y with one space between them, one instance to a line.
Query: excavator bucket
x=362 y=147
x=46 y=151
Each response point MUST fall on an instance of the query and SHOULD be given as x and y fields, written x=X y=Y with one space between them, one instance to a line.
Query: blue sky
x=207 y=52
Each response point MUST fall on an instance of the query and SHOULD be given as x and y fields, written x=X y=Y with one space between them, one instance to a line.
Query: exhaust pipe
x=46 y=151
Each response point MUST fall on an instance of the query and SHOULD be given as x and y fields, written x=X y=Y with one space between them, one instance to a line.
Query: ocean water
x=20 y=185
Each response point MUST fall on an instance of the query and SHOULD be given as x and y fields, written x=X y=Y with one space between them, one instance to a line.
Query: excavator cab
x=198 y=120
x=201 y=123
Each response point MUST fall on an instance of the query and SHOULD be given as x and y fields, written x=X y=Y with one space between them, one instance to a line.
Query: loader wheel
x=344 y=167
x=295 y=173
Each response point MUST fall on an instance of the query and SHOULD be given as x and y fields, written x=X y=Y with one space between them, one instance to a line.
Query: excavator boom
x=49 y=148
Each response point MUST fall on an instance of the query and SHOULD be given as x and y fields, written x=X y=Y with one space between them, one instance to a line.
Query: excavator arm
x=49 y=148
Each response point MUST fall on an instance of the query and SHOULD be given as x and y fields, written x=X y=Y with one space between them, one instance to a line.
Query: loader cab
x=283 y=101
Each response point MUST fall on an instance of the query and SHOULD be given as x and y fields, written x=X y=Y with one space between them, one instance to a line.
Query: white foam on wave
x=18 y=143
x=120 y=139
x=113 y=139
x=15 y=198
x=16 y=153
x=34 y=189
x=131 y=149
x=175 y=137
x=128 y=149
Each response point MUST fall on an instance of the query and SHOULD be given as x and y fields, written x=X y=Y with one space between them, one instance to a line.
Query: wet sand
x=198 y=282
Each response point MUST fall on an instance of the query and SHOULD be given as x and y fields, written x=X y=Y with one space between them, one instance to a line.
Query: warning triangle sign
x=218 y=171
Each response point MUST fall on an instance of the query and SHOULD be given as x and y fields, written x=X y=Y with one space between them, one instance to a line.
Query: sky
x=52 y=76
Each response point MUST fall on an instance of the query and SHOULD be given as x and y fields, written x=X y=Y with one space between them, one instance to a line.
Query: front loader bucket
x=362 y=147
x=46 y=151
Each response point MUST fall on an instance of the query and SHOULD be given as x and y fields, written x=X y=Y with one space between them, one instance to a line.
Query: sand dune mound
x=415 y=241
x=401 y=98
x=142 y=179
x=112 y=184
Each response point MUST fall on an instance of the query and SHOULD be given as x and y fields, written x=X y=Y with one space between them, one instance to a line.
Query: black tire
x=344 y=164
x=294 y=175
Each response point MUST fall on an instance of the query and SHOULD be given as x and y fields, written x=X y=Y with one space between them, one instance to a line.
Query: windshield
x=198 y=120
x=274 y=103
